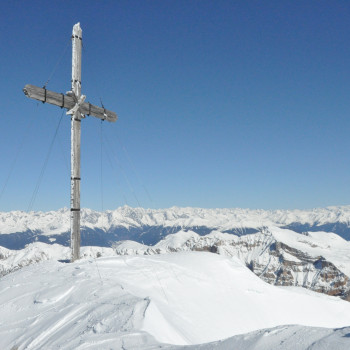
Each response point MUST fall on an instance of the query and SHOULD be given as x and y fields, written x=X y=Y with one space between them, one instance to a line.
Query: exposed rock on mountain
x=169 y=302
x=319 y=261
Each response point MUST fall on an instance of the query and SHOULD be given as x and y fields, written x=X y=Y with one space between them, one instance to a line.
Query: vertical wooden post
x=74 y=102
x=75 y=144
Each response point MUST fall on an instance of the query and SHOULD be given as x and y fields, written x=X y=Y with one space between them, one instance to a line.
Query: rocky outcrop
x=279 y=264
x=274 y=261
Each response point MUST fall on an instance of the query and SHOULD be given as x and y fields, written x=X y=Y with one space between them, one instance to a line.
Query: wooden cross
x=74 y=101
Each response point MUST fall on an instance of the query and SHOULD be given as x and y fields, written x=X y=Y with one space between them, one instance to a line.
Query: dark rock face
x=275 y=262
x=317 y=273
x=281 y=265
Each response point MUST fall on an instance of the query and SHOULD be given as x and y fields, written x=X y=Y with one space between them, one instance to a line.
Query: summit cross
x=75 y=103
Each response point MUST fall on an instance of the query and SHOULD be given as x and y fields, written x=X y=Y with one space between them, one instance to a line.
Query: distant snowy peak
x=225 y=219
x=222 y=219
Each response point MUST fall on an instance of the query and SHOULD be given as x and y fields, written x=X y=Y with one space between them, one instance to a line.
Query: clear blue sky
x=220 y=103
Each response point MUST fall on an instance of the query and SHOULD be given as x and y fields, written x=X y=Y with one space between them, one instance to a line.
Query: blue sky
x=220 y=103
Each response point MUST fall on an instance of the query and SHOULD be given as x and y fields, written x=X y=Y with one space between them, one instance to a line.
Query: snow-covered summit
x=151 y=302
x=315 y=260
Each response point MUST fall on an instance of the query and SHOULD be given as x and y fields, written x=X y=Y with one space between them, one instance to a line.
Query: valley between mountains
x=262 y=240
x=167 y=278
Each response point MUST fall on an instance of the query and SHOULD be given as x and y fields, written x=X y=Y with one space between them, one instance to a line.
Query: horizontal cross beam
x=66 y=101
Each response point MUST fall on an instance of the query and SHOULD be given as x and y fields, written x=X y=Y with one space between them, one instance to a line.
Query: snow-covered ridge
x=312 y=244
x=158 y=302
x=319 y=261
x=13 y=260
x=55 y=222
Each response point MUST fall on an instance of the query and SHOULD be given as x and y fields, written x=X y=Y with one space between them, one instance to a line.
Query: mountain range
x=282 y=247
x=177 y=278
x=149 y=226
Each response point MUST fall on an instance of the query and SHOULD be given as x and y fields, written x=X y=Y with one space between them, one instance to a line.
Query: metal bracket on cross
x=68 y=101
x=78 y=103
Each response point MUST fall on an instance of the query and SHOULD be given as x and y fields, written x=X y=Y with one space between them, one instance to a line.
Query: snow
x=56 y=222
x=52 y=222
x=143 y=302
x=284 y=338
x=326 y=244
x=11 y=260
x=130 y=248
x=313 y=244
x=177 y=241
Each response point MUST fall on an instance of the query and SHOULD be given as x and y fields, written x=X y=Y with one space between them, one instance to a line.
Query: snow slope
x=319 y=261
x=142 y=302
x=284 y=338
x=314 y=244
x=316 y=260
x=328 y=245
x=12 y=260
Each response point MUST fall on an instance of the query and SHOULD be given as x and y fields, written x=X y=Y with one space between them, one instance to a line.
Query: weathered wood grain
x=65 y=101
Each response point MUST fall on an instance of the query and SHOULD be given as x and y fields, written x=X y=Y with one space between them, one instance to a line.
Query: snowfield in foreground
x=146 y=302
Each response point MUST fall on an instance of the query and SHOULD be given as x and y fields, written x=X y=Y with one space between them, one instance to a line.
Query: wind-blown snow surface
x=284 y=338
x=140 y=302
